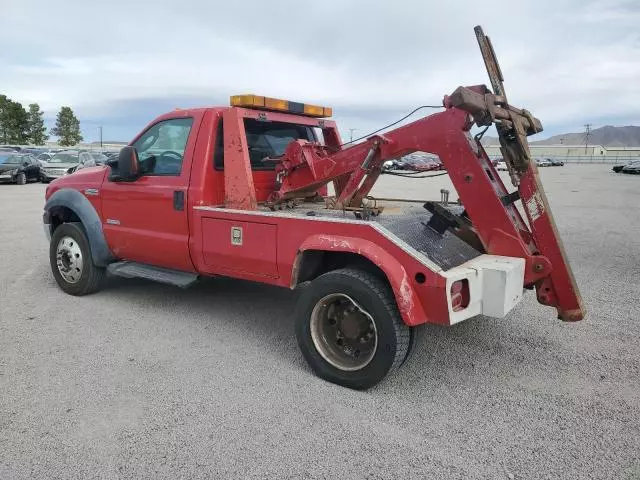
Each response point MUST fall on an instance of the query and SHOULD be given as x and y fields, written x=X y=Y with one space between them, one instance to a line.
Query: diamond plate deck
x=407 y=222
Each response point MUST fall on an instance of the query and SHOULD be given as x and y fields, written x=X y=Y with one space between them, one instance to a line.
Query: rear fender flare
x=407 y=299
x=84 y=210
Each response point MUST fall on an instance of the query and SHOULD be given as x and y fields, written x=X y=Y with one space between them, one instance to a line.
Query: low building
x=577 y=153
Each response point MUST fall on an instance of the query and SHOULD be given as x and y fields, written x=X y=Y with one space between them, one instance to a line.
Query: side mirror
x=126 y=167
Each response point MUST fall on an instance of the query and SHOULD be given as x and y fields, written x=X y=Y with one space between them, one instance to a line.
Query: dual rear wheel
x=349 y=328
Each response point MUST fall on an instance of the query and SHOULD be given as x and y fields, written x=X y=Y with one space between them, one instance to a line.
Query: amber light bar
x=275 y=104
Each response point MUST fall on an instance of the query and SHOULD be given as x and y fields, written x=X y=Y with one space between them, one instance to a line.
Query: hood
x=90 y=177
x=66 y=166
x=5 y=167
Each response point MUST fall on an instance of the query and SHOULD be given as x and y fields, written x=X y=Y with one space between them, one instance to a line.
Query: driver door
x=146 y=220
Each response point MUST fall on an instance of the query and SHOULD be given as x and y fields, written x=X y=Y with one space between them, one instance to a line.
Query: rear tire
x=21 y=178
x=71 y=262
x=417 y=335
x=337 y=318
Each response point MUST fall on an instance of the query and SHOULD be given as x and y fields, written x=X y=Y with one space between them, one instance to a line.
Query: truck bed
x=402 y=222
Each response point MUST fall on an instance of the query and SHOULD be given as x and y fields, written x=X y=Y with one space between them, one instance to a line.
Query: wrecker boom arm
x=491 y=215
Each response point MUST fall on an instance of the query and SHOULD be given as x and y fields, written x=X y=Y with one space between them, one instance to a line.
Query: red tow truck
x=241 y=191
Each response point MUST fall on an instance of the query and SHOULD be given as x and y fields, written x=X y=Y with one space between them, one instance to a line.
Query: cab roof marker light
x=275 y=104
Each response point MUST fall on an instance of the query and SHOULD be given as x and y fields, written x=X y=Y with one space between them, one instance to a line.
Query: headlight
x=11 y=172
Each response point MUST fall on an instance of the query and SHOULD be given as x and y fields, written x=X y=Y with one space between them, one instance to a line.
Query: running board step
x=150 y=272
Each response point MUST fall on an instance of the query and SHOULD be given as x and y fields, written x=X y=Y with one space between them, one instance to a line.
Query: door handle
x=178 y=200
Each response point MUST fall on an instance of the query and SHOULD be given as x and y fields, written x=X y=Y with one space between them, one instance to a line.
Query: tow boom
x=491 y=216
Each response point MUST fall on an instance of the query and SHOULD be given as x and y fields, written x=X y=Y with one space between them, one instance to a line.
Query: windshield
x=8 y=158
x=64 y=158
x=98 y=157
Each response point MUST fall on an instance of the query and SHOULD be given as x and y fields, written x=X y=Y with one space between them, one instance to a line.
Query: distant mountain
x=606 y=136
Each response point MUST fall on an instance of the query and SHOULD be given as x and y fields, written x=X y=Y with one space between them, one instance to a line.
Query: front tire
x=21 y=179
x=71 y=262
x=349 y=328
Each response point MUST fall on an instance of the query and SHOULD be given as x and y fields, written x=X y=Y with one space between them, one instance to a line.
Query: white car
x=501 y=166
x=543 y=162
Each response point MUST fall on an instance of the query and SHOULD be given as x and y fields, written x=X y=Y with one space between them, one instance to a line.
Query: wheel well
x=314 y=263
x=60 y=215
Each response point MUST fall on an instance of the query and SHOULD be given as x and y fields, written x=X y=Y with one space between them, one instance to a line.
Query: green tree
x=14 y=123
x=37 y=130
x=67 y=128
x=4 y=103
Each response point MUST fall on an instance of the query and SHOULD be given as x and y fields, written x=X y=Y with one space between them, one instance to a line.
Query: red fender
x=406 y=297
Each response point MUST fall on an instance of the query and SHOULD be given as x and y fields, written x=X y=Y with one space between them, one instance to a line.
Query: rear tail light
x=459 y=295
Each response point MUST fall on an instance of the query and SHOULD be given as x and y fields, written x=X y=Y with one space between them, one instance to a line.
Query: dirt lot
x=143 y=380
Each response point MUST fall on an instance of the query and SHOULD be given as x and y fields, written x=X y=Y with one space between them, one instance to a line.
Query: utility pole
x=587 y=134
x=100 y=129
x=351 y=130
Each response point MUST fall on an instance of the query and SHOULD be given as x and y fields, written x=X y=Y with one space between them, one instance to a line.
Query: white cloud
x=569 y=62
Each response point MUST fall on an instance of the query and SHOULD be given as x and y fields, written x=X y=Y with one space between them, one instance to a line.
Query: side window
x=161 y=148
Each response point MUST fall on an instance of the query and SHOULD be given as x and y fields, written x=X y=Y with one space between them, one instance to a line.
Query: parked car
x=90 y=159
x=44 y=157
x=543 y=162
x=18 y=168
x=60 y=164
x=395 y=165
x=114 y=153
x=389 y=165
x=35 y=151
x=424 y=164
x=555 y=162
x=501 y=166
x=630 y=167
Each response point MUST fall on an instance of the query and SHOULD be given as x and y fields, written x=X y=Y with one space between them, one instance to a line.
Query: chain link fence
x=593 y=159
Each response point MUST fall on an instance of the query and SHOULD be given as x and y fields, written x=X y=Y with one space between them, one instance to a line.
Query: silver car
x=68 y=161
x=91 y=159
x=60 y=164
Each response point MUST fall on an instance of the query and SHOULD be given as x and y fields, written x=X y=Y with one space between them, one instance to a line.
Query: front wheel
x=349 y=328
x=21 y=179
x=71 y=262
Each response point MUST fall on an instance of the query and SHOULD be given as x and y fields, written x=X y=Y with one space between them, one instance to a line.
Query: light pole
x=100 y=130
x=351 y=130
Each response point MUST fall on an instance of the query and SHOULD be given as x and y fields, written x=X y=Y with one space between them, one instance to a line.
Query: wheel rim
x=69 y=259
x=343 y=332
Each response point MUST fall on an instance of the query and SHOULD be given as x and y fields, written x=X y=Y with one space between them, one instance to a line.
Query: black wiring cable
x=391 y=124
x=413 y=174
x=478 y=136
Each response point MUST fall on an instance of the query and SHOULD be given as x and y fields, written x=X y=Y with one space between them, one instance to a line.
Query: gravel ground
x=147 y=381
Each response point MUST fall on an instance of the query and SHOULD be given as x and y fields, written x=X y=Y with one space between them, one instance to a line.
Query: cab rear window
x=265 y=140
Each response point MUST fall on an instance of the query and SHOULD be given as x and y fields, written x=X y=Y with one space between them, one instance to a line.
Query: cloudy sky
x=121 y=63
